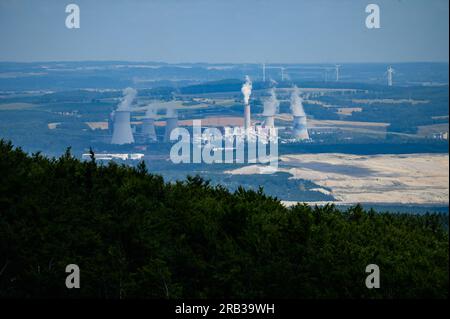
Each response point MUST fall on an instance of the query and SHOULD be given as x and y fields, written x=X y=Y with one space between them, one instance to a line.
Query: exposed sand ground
x=97 y=125
x=406 y=179
x=16 y=106
x=390 y=101
x=427 y=130
x=347 y=111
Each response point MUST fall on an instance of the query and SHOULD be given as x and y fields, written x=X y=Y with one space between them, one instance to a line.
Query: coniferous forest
x=135 y=236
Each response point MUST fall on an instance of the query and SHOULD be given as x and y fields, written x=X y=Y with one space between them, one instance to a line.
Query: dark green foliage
x=133 y=235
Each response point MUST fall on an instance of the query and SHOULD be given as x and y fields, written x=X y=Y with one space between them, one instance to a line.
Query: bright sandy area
x=406 y=178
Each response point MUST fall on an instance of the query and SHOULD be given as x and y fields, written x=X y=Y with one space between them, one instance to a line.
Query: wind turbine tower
x=337 y=67
x=264 y=72
x=390 y=72
x=327 y=70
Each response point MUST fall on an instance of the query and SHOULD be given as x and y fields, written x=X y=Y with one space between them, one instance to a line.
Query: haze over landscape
x=224 y=149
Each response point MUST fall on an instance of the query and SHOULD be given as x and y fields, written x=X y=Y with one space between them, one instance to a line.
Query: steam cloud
x=297 y=103
x=247 y=89
x=171 y=112
x=271 y=104
x=128 y=96
x=151 y=113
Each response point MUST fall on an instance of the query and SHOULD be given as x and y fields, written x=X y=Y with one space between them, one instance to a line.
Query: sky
x=225 y=31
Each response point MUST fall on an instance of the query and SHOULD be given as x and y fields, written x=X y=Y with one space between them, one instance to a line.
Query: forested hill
x=133 y=235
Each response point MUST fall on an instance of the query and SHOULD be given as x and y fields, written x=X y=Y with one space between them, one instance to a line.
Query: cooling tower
x=148 y=129
x=247 y=117
x=111 y=122
x=300 y=129
x=269 y=121
x=122 y=133
x=171 y=124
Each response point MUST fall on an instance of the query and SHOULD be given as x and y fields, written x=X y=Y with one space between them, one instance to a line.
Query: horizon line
x=223 y=63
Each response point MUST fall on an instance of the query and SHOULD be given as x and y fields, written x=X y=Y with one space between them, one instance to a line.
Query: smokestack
x=247 y=91
x=122 y=133
x=148 y=125
x=171 y=123
x=270 y=109
x=299 y=126
x=247 y=117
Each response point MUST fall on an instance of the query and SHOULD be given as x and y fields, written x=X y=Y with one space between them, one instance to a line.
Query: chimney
x=247 y=117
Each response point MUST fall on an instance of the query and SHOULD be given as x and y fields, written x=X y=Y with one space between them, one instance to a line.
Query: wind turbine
x=281 y=68
x=327 y=70
x=264 y=71
x=337 y=67
x=390 y=71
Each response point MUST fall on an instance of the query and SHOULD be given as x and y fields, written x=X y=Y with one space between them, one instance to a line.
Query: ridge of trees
x=135 y=236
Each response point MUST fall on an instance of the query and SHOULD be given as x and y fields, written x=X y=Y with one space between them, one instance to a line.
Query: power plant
x=120 y=121
x=148 y=125
x=171 y=123
x=122 y=133
x=299 y=125
x=148 y=129
x=300 y=129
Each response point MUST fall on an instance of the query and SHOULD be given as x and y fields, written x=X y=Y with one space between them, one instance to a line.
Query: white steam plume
x=271 y=104
x=128 y=96
x=171 y=112
x=247 y=89
x=297 y=103
x=151 y=113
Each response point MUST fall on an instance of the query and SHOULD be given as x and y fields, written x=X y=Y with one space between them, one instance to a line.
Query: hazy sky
x=286 y=31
